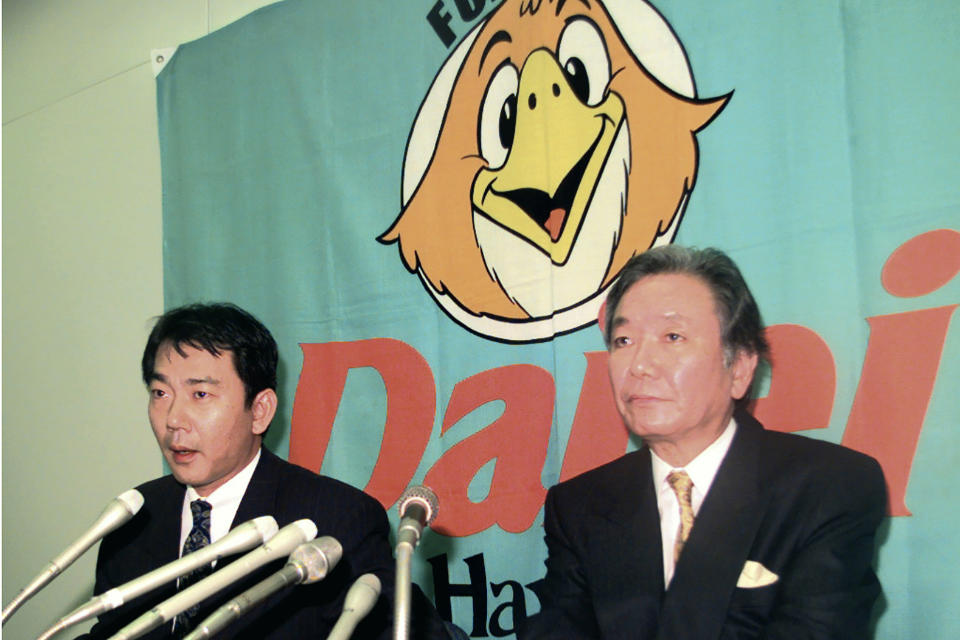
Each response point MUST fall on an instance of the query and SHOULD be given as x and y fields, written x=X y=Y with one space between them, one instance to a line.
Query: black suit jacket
x=288 y=493
x=806 y=510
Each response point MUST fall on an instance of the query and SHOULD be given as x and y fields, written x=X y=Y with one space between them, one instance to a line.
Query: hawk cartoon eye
x=498 y=116
x=582 y=54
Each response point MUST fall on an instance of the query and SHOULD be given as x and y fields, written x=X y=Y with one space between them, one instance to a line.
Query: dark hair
x=740 y=324
x=216 y=328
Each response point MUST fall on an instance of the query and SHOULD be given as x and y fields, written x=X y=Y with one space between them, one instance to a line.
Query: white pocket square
x=755 y=575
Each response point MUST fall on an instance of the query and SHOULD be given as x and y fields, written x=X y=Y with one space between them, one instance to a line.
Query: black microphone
x=310 y=562
x=117 y=512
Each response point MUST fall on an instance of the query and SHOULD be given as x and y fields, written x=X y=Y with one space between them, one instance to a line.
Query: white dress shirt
x=224 y=502
x=701 y=470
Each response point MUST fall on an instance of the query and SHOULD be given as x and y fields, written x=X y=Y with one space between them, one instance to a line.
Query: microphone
x=243 y=537
x=310 y=562
x=117 y=512
x=359 y=601
x=418 y=507
x=278 y=546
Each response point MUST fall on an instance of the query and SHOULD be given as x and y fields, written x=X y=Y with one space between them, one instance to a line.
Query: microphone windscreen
x=363 y=594
x=318 y=557
x=266 y=527
x=133 y=500
x=423 y=496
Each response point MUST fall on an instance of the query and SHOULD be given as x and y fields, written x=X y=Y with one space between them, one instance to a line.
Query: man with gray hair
x=715 y=528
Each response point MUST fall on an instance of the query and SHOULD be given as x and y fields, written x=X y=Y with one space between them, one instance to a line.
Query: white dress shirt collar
x=224 y=502
x=702 y=470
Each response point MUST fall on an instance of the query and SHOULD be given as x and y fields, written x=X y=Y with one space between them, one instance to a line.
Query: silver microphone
x=418 y=508
x=118 y=511
x=310 y=562
x=361 y=597
x=240 y=538
x=278 y=546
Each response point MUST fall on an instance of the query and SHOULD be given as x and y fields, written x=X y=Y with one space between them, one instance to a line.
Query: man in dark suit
x=211 y=374
x=715 y=528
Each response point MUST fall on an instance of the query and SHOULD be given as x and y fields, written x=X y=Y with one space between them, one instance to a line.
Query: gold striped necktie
x=682 y=485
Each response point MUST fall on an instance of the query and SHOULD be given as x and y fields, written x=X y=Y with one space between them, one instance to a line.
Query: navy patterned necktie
x=199 y=537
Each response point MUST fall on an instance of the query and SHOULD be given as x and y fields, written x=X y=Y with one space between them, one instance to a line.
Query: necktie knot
x=200 y=510
x=682 y=486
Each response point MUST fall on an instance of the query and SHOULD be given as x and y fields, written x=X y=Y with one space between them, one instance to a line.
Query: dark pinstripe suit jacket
x=288 y=493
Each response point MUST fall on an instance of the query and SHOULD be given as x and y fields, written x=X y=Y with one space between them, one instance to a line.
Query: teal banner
x=426 y=202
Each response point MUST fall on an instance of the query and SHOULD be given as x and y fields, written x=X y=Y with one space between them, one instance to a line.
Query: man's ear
x=743 y=368
x=264 y=407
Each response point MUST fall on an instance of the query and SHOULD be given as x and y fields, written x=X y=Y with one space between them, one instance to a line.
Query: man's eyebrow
x=157 y=377
x=619 y=321
x=204 y=380
x=498 y=37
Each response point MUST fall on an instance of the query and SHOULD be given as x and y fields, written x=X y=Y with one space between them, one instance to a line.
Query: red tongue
x=554 y=223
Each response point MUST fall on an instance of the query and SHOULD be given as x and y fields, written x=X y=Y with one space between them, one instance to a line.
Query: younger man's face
x=199 y=416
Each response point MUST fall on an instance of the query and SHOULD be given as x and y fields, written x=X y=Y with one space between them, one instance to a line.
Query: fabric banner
x=426 y=202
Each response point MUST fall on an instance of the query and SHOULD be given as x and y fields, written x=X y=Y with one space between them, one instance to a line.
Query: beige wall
x=82 y=272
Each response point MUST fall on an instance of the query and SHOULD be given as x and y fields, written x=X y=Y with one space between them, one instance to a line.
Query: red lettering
x=597 y=435
x=802 y=383
x=899 y=372
x=411 y=404
x=902 y=360
x=517 y=440
x=922 y=264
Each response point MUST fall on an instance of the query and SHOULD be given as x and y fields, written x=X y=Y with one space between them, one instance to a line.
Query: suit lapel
x=166 y=547
x=633 y=572
x=721 y=538
x=261 y=495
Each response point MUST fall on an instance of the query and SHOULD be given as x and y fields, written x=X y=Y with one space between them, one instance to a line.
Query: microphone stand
x=117 y=512
x=402 y=591
x=418 y=508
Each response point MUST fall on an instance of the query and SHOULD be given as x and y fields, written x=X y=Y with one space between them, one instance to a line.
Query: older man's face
x=667 y=365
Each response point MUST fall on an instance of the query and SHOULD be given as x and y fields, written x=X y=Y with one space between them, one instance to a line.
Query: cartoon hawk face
x=556 y=142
